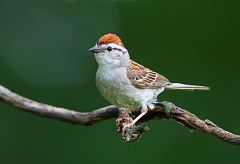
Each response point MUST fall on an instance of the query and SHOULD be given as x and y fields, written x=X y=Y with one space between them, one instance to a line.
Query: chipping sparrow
x=126 y=83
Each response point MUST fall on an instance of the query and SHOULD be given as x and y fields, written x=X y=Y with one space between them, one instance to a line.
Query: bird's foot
x=133 y=132
x=126 y=127
x=122 y=120
x=129 y=131
x=167 y=107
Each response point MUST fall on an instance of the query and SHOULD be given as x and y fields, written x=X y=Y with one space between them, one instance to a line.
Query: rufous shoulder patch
x=110 y=38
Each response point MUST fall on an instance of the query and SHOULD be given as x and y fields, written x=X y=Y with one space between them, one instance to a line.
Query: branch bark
x=178 y=114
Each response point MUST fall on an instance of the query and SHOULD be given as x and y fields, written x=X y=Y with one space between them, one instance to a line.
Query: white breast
x=115 y=87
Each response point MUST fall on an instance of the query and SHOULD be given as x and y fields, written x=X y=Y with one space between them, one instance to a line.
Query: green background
x=43 y=56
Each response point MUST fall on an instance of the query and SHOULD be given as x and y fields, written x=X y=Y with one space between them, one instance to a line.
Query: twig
x=89 y=118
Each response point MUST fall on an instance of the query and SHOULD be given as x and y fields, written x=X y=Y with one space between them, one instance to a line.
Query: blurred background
x=43 y=56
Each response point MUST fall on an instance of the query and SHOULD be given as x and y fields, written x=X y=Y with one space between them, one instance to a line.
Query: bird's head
x=110 y=51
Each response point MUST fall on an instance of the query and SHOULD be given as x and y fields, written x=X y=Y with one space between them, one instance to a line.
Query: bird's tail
x=186 y=87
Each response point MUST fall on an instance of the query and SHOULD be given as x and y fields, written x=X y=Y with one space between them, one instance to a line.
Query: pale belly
x=118 y=90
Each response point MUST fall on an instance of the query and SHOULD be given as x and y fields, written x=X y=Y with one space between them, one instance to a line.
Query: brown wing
x=143 y=77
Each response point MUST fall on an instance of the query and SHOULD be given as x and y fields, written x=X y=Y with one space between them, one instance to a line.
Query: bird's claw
x=129 y=131
x=127 y=126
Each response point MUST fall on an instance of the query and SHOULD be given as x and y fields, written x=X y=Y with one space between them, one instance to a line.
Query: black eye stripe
x=117 y=49
x=114 y=48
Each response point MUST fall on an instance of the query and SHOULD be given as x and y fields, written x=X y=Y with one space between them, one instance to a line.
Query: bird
x=126 y=83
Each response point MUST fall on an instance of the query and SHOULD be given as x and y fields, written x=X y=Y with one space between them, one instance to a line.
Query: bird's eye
x=109 y=48
x=98 y=43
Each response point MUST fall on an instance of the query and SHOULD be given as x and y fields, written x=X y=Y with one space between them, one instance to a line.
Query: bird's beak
x=95 y=49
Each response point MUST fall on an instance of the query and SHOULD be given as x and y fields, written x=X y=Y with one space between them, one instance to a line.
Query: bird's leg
x=143 y=112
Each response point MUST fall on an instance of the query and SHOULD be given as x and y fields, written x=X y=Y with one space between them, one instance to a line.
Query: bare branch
x=57 y=113
x=89 y=118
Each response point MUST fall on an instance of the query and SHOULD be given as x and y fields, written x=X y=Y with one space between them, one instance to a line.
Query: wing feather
x=142 y=77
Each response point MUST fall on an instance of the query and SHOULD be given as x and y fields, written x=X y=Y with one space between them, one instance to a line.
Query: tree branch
x=89 y=118
x=57 y=113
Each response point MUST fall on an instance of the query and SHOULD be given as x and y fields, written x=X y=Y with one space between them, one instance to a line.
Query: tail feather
x=186 y=87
